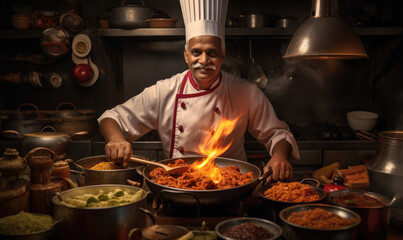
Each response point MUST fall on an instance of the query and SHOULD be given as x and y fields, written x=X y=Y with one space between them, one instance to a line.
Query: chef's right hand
x=119 y=151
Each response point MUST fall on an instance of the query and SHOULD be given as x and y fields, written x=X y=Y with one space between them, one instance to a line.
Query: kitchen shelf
x=180 y=32
x=237 y=32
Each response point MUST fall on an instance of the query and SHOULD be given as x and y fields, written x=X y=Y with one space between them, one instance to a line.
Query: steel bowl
x=87 y=176
x=297 y=232
x=272 y=227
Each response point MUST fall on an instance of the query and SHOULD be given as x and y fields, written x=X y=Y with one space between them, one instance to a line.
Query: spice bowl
x=161 y=22
x=257 y=226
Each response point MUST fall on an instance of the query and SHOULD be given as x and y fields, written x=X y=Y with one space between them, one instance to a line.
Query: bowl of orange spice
x=319 y=221
x=280 y=195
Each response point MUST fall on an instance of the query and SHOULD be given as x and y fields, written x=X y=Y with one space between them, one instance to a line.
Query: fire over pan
x=214 y=197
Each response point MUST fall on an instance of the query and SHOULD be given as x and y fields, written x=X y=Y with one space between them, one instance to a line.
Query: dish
x=362 y=120
x=94 y=78
x=161 y=22
x=79 y=60
x=259 y=223
x=81 y=45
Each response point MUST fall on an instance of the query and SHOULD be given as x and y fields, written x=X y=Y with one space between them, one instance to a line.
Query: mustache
x=207 y=66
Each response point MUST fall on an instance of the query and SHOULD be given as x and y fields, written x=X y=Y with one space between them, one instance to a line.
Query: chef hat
x=204 y=17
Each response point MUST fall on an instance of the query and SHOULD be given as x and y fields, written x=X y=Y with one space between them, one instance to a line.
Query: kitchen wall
x=302 y=92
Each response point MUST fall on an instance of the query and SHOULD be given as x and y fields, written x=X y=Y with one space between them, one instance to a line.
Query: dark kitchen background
x=312 y=96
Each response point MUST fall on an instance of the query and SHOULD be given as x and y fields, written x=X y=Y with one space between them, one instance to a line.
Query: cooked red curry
x=360 y=200
x=200 y=180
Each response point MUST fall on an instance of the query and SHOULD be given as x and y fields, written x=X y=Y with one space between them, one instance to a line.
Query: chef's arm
x=282 y=170
x=117 y=148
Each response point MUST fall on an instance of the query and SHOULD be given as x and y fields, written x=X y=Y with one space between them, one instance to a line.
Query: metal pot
x=385 y=169
x=215 y=197
x=55 y=141
x=374 y=220
x=296 y=232
x=98 y=223
x=72 y=120
x=129 y=16
x=87 y=176
x=22 y=122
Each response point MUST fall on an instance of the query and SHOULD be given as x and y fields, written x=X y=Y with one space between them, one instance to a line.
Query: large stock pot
x=98 y=223
x=385 y=169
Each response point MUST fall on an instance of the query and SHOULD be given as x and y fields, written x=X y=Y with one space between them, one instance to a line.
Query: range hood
x=325 y=35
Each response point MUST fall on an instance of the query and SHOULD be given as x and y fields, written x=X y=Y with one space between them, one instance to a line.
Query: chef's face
x=204 y=57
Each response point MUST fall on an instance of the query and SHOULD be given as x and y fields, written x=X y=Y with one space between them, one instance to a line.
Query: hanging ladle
x=171 y=170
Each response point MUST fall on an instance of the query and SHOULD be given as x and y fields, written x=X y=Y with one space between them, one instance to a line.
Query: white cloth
x=184 y=119
x=204 y=17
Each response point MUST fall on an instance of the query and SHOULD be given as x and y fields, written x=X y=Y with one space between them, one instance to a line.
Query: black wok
x=214 y=197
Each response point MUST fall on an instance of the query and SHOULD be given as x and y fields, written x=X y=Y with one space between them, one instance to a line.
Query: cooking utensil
x=161 y=22
x=55 y=141
x=275 y=206
x=272 y=227
x=256 y=20
x=38 y=235
x=374 y=219
x=256 y=73
x=55 y=42
x=67 y=113
x=383 y=179
x=362 y=120
x=171 y=170
x=297 y=232
x=214 y=197
x=81 y=45
x=98 y=223
x=87 y=176
x=22 y=122
x=129 y=16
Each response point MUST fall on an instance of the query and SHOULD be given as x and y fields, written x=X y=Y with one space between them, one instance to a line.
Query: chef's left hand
x=282 y=170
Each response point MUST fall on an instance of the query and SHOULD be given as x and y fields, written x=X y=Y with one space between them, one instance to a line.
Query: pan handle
x=367 y=135
x=265 y=175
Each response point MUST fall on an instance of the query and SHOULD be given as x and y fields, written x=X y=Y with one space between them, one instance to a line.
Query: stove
x=196 y=215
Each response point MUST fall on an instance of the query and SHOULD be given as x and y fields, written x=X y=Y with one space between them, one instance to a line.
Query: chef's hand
x=119 y=151
x=282 y=170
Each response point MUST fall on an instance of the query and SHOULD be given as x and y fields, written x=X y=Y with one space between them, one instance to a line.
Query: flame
x=211 y=148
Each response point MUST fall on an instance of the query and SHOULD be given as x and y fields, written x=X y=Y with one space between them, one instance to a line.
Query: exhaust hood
x=325 y=35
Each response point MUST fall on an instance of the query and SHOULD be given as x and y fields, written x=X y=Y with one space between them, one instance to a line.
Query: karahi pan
x=214 y=197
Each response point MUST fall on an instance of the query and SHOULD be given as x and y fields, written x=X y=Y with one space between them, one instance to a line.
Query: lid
x=163 y=232
x=53 y=134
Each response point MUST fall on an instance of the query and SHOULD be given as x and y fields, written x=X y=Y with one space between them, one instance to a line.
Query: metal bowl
x=41 y=235
x=297 y=232
x=272 y=227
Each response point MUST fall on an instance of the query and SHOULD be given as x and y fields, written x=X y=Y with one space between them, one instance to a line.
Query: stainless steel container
x=256 y=20
x=87 y=176
x=129 y=16
x=98 y=223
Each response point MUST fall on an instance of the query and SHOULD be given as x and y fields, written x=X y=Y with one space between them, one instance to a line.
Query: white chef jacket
x=183 y=115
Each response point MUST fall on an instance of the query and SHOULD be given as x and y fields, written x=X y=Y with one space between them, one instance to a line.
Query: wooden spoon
x=171 y=170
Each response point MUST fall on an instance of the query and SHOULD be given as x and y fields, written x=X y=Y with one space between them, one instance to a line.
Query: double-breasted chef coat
x=183 y=115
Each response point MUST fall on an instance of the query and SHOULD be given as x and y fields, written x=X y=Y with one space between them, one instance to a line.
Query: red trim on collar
x=192 y=81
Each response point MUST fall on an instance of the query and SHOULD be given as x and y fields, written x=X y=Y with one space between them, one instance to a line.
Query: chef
x=188 y=106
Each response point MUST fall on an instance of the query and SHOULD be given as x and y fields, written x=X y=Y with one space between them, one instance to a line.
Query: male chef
x=187 y=107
